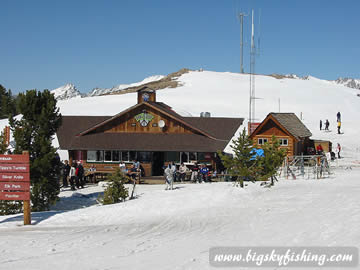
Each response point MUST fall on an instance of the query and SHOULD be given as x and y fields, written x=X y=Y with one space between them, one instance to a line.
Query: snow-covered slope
x=175 y=229
x=103 y=91
x=66 y=91
x=225 y=94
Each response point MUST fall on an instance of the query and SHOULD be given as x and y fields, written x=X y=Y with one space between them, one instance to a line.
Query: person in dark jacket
x=327 y=124
x=80 y=176
x=65 y=170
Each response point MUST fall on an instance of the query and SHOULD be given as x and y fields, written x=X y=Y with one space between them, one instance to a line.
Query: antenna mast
x=241 y=18
x=252 y=75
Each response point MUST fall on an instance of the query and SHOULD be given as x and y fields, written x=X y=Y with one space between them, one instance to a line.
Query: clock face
x=145 y=97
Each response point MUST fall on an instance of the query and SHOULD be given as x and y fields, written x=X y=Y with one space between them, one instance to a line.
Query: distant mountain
x=121 y=87
x=349 y=82
x=158 y=82
x=66 y=91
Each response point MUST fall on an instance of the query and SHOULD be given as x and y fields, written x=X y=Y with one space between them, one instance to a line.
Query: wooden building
x=294 y=136
x=150 y=132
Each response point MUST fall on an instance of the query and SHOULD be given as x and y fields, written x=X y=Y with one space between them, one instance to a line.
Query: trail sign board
x=15 y=181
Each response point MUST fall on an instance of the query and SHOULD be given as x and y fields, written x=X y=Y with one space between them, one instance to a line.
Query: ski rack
x=308 y=167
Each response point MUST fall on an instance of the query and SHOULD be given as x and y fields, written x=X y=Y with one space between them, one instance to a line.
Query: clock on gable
x=145 y=97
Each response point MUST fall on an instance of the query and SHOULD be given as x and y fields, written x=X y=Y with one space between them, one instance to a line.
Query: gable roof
x=221 y=129
x=158 y=106
x=290 y=122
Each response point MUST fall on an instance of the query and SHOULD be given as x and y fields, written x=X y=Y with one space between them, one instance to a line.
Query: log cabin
x=294 y=136
x=149 y=132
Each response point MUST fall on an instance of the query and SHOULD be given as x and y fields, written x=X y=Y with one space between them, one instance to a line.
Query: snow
x=66 y=91
x=175 y=229
x=102 y=91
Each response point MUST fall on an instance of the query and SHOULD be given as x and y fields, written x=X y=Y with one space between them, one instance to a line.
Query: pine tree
x=116 y=191
x=242 y=165
x=3 y=145
x=34 y=133
x=7 y=103
x=272 y=160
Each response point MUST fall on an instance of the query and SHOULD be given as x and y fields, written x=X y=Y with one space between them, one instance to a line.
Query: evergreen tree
x=34 y=133
x=3 y=145
x=116 y=191
x=242 y=165
x=272 y=160
x=7 y=103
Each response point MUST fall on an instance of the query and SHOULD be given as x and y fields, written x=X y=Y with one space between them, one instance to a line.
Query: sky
x=46 y=44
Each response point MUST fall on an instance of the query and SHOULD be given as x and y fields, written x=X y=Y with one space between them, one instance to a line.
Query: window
x=125 y=156
x=95 y=156
x=262 y=141
x=107 y=156
x=144 y=156
x=184 y=157
x=284 y=142
x=116 y=156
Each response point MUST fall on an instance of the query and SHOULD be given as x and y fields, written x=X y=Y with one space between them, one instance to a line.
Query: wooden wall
x=290 y=148
x=128 y=123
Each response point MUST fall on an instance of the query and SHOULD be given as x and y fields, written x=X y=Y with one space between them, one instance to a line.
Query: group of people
x=327 y=123
x=73 y=174
x=133 y=171
x=199 y=174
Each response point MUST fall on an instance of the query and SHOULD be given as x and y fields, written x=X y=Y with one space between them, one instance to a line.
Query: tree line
x=33 y=133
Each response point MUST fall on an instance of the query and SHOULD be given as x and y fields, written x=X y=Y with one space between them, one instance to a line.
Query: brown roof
x=293 y=124
x=289 y=121
x=221 y=130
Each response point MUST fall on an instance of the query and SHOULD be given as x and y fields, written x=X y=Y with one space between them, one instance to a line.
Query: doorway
x=157 y=163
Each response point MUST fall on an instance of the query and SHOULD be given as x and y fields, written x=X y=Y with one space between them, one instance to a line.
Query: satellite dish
x=161 y=123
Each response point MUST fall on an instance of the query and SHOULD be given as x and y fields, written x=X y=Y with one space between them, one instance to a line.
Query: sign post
x=15 y=181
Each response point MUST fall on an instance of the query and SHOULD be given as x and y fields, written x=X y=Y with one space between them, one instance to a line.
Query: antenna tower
x=252 y=75
x=241 y=19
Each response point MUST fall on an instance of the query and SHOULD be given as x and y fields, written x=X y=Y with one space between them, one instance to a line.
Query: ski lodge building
x=149 y=132
x=294 y=136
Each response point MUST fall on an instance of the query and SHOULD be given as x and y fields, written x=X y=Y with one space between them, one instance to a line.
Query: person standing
x=80 y=175
x=66 y=170
x=320 y=125
x=194 y=172
x=327 y=124
x=72 y=175
x=339 y=126
x=169 y=177
x=338 y=150
x=338 y=117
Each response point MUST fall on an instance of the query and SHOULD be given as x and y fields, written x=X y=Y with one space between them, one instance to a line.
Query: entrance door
x=158 y=163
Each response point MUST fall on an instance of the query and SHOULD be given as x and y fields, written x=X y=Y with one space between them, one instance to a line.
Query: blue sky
x=45 y=44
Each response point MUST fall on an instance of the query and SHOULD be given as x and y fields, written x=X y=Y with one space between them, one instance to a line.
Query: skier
x=169 y=176
x=338 y=117
x=338 y=150
x=327 y=124
x=320 y=125
x=339 y=126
